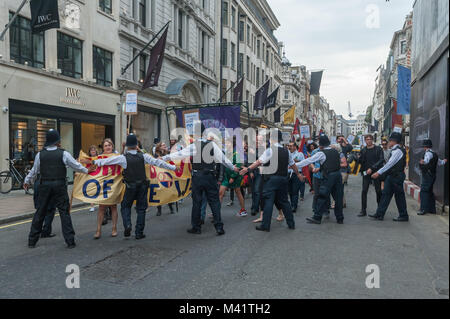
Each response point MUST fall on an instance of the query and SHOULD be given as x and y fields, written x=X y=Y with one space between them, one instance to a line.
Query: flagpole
x=12 y=19
x=144 y=48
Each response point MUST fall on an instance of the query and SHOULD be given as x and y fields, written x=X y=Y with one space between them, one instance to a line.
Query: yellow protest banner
x=105 y=185
x=289 y=116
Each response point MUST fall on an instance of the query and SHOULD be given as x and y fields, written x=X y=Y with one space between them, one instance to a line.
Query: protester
x=428 y=165
x=346 y=149
x=51 y=163
x=108 y=148
x=395 y=177
x=135 y=178
x=160 y=151
x=275 y=185
x=204 y=179
x=386 y=154
x=330 y=164
x=294 y=183
x=317 y=183
x=371 y=160
x=232 y=180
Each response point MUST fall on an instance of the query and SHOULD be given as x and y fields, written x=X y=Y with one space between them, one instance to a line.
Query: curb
x=412 y=190
x=23 y=216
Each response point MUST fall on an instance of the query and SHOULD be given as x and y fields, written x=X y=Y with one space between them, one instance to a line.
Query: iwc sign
x=73 y=97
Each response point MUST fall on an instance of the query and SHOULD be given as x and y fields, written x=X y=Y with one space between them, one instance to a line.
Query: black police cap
x=395 y=136
x=52 y=137
x=324 y=140
x=131 y=141
x=427 y=143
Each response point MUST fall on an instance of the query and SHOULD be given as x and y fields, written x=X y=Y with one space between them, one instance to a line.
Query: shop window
x=105 y=6
x=70 y=56
x=102 y=64
x=25 y=47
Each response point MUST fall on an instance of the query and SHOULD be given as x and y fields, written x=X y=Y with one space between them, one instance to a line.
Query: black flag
x=44 y=15
x=272 y=99
x=261 y=96
x=238 y=91
x=155 y=64
x=277 y=115
x=316 y=79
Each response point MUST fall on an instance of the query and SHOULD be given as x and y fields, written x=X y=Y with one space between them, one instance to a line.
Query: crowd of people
x=277 y=177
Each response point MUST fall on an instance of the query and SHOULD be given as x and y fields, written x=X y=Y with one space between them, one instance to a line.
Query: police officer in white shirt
x=295 y=184
x=204 y=178
x=393 y=184
x=275 y=188
x=135 y=179
x=428 y=166
x=51 y=163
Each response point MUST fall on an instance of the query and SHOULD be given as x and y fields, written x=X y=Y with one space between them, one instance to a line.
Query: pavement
x=17 y=205
x=312 y=261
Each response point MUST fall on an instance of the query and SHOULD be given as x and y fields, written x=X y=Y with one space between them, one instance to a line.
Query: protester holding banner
x=160 y=151
x=133 y=163
x=93 y=152
x=51 y=164
x=295 y=185
x=204 y=178
x=108 y=148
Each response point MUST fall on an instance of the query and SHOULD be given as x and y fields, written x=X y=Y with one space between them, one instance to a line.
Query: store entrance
x=92 y=135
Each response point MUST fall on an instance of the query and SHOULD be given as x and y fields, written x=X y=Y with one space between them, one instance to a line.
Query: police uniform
x=295 y=185
x=428 y=169
x=51 y=164
x=204 y=180
x=275 y=187
x=330 y=167
x=135 y=179
x=393 y=183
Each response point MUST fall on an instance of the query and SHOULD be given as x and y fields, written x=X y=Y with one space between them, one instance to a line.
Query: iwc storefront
x=33 y=103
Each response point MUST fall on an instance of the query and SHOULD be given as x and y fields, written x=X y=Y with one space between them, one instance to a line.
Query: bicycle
x=13 y=177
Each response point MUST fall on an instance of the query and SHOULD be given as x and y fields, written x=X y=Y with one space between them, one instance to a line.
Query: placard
x=131 y=106
x=189 y=119
x=305 y=131
x=350 y=139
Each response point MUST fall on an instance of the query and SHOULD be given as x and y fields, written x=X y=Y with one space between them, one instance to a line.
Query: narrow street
x=313 y=261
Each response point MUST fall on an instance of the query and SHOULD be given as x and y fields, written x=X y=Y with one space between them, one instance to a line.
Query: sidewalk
x=17 y=206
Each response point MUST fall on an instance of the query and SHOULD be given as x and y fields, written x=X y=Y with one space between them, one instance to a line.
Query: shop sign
x=73 y=97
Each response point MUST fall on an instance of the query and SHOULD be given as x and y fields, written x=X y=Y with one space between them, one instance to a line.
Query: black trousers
x=427 y=199
x=317 y=182
x=366 y=181
x=331 y=185
x=207 y=183
x=55 y=191
x=50 y=215
x=393 y=186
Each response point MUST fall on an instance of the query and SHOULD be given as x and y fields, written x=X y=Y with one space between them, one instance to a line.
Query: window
x=286 y=94
x=142 y=67
x=241 y=64
x=267 y=57
x=224 y=52
x=258 y=49
x=70 y=56
x=248 y=35
x=233 y=55
x=203 y=47
x=135 y=67
x=180 y=29
x=142 y=12
x=241 y=30
x=225 y=13
x=257 y=77
x=102 y=64
x=248 y=68
x=403 y=47
x=224 y=90
x=233 y=17
x=105 y=6
x=25 y=46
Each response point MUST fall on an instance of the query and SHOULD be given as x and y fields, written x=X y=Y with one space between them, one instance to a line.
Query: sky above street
x=349 y=39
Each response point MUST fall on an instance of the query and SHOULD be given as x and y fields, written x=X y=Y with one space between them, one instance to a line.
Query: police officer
x=49 y=216
x=393 y=183
x=330 y=167
x=275 y=188
x=135 y=179
x=428 y=165
x=51 y=164
x=204 y=178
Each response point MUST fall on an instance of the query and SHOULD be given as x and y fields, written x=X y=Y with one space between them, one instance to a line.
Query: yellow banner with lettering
x=105 y=186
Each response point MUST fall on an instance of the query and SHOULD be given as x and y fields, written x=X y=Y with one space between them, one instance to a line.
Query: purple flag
x=261 y=96
x=156 y=60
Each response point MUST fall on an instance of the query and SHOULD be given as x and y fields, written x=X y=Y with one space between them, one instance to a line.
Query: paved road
x=313 y=261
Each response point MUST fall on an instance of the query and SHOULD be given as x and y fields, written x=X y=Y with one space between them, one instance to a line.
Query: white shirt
x=122 y=161
x=68 y=160
x=267 y=155
x=191 y=150
x=297 y=157
x=429 y=155
x=318 y=157
x=396 y=155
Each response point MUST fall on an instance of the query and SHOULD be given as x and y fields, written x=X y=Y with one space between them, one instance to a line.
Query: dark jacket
x=378 y=161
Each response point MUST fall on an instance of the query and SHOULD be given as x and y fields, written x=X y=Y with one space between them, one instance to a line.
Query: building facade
x=249 y=49
x=189 y=74
x=64 y=79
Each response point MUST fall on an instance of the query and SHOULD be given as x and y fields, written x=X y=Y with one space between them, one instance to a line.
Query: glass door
x=66 y=131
